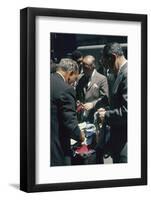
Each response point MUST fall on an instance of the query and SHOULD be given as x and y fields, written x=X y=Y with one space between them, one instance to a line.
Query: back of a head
x=112 y=48
x=76 y=55
x=67 y=64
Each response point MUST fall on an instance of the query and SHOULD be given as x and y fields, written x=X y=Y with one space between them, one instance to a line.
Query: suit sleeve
x=119 y=114
x=68 y=114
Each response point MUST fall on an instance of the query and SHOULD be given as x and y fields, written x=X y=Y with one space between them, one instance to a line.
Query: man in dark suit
x=64 y=124
x=91 y=88
x=116 y=116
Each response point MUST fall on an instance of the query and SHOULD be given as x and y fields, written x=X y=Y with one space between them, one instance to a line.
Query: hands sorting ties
x=82 y=136
x=101 y=112
x=89 y=106
x=83 y=107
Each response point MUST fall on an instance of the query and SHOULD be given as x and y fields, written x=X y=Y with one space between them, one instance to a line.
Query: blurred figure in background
x=78 y=57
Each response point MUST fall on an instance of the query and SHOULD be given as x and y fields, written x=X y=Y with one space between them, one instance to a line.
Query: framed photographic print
x=83 y=99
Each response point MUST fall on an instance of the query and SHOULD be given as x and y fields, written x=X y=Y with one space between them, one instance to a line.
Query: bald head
x=88 y=65
x=89 y=60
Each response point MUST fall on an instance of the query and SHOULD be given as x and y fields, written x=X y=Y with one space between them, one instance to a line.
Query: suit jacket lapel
x=92 y=81
x=118 y=79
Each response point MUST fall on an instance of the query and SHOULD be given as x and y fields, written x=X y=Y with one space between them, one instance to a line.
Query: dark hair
x=76 y=55
x=111 y=48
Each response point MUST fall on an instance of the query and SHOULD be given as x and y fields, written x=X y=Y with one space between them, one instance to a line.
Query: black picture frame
x=28 y=98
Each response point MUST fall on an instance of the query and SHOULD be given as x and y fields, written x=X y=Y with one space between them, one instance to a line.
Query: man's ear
x=114 y=56
x=71 y=73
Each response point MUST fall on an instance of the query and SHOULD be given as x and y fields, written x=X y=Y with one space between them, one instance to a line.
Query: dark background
x=63 y=44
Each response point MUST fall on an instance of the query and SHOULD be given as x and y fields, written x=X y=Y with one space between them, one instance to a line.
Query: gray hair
x=67 y=64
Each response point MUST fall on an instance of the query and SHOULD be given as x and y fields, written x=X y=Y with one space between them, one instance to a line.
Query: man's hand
x=101 y=112
x=82 y=136
x=88 y=106
x=80 y=106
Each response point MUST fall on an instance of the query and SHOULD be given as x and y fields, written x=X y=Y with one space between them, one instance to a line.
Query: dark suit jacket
x=116 y=117
x=64 y=123
x=97 y=89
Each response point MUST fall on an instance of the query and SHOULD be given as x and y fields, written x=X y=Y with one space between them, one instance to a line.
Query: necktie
x=86 y=82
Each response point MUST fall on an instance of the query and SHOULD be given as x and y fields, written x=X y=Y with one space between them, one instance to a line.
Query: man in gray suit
x=116 y=116
x=91 y=88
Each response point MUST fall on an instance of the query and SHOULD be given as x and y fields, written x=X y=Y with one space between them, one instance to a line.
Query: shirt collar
x=61 y=76
x=122 y=66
